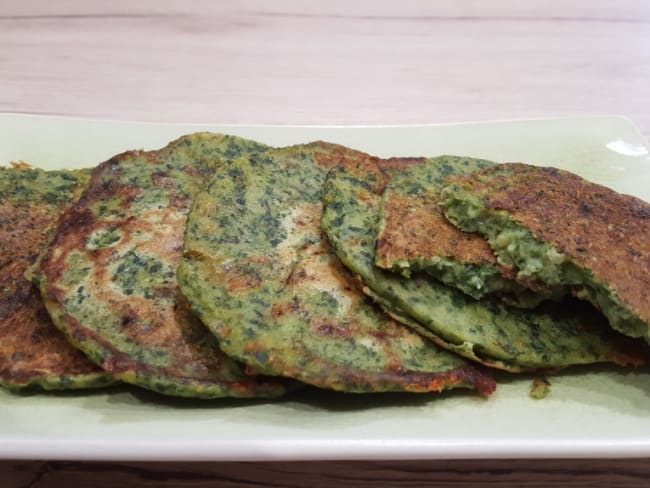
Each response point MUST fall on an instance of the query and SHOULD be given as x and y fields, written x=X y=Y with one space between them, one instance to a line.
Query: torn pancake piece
x=486 y=331
x=554 y=226
x=414 y=236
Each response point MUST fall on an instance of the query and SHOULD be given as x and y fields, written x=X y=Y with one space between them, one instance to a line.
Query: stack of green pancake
x=389 y=228
x=263 y=278
x=221 y=267
x=107 y=275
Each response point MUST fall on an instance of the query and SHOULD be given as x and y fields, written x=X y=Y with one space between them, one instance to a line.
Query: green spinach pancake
x=487 y=331
x=109 y=275
x=414 y=236
x=557 y=227
x=261 y=275
x=33 y=352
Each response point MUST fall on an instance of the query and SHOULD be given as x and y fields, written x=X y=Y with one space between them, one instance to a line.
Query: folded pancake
x=260 y=274
x=33 y=352
x=414 y=236
x=109 y=274
x=487 y=331
x=554 y=226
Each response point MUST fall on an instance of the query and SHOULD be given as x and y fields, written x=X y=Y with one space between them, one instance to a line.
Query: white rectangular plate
x=590 y=412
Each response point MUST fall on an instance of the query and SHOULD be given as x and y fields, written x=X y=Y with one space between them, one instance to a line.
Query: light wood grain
x=293 y=62
x=338 y=62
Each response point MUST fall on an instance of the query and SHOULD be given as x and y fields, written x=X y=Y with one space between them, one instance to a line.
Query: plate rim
x=240 y=125
x=312 y=450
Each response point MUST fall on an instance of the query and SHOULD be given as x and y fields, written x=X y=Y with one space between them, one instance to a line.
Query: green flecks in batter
x=103 y=238
x=76 y=270
x=486 y=330
x=260 y=275
x=117 y=294
x=137 y=273
x=413 y=236
x=49 y=187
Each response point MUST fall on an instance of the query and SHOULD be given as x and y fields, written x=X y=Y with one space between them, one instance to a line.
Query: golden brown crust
x=165 y=239
x=109 y=274
x=413 y=233
x=173 y=327
x=415 y=227
x=332 y=155
x=30 y=346
x=603 y=231
x=32 y=350
x=487 y=331
x=270 y=287
x=24 y=231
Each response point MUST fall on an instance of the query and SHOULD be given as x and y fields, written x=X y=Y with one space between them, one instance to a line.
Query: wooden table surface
x=337 y=62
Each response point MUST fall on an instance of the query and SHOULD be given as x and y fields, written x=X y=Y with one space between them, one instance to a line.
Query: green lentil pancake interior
x=109 y=275
x=484 y=330
x=557 y=227
x=260 y=274
x=33 y=352
x=414 y=236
